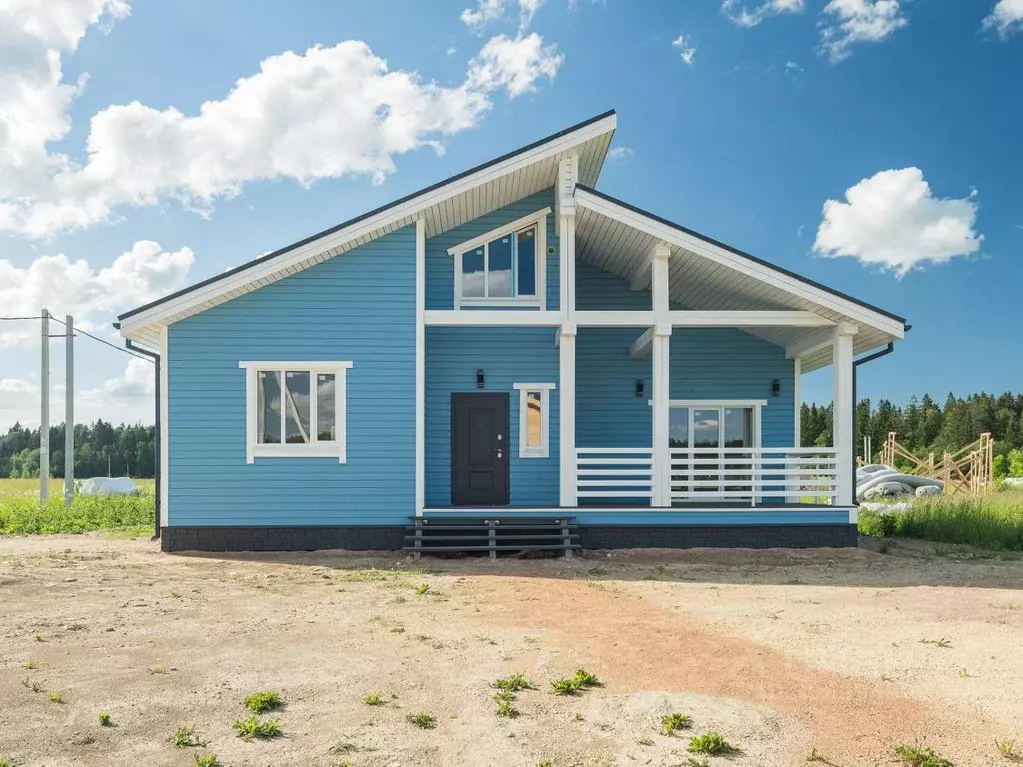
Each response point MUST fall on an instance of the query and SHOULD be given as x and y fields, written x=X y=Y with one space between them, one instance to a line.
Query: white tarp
x=877 y=480
x=108 y=486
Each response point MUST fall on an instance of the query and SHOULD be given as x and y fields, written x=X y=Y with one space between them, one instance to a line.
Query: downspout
x=856 y=363
x=156 y=445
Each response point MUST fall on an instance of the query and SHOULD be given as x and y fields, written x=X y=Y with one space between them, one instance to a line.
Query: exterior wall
x=507 y=356
x=360 y=307
x=440 y=269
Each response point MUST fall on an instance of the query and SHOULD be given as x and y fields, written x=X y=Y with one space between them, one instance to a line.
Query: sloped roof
x=444 y=205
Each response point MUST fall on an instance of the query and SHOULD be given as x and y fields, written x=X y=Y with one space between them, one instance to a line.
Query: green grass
x=672 y=723
x=1007 y=749
x=21 y=513
x=993 y=522
x=206 y=760
x=254 y=727
x=575 y=683
x=187 y=737
x=55 y=697
x=374 y=699
x=264 y=701
x=712 y=743
x=513 y=683
x=506 y=708
x=917 y=756
x=422 y=721
x=104 y=719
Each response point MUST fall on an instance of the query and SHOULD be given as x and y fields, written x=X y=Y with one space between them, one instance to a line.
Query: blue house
x=509 y=343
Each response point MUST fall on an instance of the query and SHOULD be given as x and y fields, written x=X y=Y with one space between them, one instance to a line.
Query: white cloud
x=489 y=11
x=686 y=51
x=893 y=221
x=125 y=398
x=738 y=13
x=619 y=153
x=326 y=113
x=1006 y=17
x=34 y=99
x=858 y=21
x=516 y=64
x=92 y=296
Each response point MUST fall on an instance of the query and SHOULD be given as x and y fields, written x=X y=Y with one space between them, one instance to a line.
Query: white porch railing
x=789 y=474
x=615 y=473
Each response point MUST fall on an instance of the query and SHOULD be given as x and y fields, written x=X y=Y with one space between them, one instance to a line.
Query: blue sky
x=740 y=127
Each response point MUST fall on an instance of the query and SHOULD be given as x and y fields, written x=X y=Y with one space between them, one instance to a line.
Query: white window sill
x=298 y=451
x=483 y=303
x=534 y=453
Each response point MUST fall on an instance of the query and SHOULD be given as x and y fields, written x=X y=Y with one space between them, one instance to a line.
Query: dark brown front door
x=479 y=449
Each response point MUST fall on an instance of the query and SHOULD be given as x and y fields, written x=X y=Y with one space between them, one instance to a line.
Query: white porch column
x=797 y=404
x=661 y=383
x=567 y=174
x=842 y=427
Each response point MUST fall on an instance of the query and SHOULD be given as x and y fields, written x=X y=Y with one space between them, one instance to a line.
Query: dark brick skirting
x=390 y=538
x=309 y=538
x=719 y=536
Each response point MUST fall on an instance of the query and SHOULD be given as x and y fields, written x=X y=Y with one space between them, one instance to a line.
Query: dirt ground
x=847 y=652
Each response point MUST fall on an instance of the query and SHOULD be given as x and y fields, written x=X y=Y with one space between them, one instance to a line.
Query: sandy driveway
x=845 y=651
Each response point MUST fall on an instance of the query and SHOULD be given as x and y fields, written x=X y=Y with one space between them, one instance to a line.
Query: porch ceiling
x=699 y=282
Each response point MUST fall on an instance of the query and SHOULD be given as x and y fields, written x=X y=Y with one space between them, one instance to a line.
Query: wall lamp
x=479 y=378
x=776 y=387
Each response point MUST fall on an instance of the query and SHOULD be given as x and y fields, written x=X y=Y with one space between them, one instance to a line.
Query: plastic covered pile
x=108 y=486
x=876 y=480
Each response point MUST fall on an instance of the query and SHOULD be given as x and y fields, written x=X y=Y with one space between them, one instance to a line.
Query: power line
x=38 y=317
x=84 y=333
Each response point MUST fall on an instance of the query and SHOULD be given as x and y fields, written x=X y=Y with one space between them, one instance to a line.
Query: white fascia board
x=492 y=318
x=400 y=215
x=514 y=226
x=716 y=253
x=749 y=319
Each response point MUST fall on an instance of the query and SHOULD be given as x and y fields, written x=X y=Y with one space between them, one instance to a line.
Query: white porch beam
x=641 y=346
x=749 y=319
x=661 y=375
x=492 y=317
x=817 y=341
x=610 y=319
x=420 y=365
x=842 y=426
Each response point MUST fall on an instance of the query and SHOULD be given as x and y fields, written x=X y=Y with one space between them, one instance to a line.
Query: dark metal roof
x=363 y=216
x=743 y=254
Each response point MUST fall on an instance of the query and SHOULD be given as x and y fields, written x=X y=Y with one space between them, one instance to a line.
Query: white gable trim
x=390 y=219
x=761 y=272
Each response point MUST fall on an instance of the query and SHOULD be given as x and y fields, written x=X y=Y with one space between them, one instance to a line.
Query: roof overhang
x=442 y=206
x=705 y=274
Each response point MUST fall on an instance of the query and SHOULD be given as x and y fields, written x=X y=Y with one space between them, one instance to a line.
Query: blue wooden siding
x=440 y=271
x=358 y=307
x=507 y=356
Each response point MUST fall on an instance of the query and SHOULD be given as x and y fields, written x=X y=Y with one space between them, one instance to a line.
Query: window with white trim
x=504 y=267
x=534 y=419
x=295 y=409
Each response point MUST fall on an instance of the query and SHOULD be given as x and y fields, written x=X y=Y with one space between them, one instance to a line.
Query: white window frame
x=336 y=448
x=540 y=299
x=544 y=450
x=721 y=404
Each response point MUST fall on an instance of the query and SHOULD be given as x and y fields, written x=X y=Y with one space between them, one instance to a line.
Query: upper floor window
x=504 y=267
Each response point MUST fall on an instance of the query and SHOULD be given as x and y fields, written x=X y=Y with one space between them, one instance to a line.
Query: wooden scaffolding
x=968 y=470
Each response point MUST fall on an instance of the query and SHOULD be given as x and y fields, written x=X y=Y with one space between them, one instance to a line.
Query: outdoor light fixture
x=479 y=378
x=776 y=387
x=639 y=387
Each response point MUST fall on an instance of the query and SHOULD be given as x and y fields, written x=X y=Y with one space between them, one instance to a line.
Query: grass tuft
x=672 y=723
x=513 y=683
x=712 y=743
x=187 y=737
x=573 y=684
x=422 y=588
x=206 y=760
x=505 y=708
x=254 y=727
x=375 y=699
x=1007 y=749
x=261 y=702
x=918 y=756
x=33 y=685
x=422 y=721
x=55 y=697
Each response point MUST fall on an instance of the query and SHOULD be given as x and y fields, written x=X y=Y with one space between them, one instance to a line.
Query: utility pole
x=44 y=412
x=69 y=410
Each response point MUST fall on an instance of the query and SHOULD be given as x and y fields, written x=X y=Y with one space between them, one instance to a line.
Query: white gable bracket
x=816 y=341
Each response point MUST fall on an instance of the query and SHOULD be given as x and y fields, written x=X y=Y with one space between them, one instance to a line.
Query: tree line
x=101 y=449
x=923 y=425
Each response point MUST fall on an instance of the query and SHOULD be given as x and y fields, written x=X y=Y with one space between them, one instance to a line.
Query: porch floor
x=688 y=505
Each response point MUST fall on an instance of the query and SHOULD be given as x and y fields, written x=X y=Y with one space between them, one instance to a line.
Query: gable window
x=504 y=267
x=295 y=409
x=534 y=419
